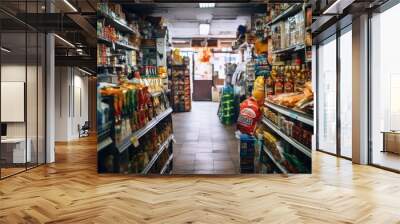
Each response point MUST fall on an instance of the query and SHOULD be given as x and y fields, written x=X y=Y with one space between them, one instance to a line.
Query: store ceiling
x=76 y=24
x=183 y=19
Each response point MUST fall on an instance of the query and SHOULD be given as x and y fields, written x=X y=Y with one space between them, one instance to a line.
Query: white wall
x=71 y=102
x=33 y=127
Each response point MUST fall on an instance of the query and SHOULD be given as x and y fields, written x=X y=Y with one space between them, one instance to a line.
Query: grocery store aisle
x=203 y=145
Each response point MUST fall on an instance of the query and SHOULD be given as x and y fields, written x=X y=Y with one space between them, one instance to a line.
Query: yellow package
x=176 y=57
x=258 y=91
x=261 y=46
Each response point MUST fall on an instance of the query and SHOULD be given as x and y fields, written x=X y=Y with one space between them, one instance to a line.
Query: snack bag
x=249 y=115
x=258 y=91
x=261 y=46
x=176 y=57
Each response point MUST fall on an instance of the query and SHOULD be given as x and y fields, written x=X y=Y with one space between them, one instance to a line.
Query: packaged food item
x=258 y=90
x=249 y=115
x=247 y=153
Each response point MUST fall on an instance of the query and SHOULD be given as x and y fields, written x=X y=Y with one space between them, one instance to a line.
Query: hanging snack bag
x=258 y=91
x=249 y=115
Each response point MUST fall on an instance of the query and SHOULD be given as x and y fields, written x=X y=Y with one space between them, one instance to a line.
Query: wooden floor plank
x=71 y=191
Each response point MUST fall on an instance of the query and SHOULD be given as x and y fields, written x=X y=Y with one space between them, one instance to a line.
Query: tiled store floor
x=203 y=145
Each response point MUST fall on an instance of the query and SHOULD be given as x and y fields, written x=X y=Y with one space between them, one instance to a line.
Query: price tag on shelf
x=135 y=141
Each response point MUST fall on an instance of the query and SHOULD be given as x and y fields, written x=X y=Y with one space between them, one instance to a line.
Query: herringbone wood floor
x=70 y=191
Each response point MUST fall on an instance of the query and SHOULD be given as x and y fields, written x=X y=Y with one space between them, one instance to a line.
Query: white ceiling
x=183 y=19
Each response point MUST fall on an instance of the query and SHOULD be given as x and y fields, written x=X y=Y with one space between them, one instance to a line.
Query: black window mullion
x=37 y=91
x=26 y=86
x=338 y=94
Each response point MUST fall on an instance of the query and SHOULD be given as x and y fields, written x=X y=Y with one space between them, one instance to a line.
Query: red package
x=249 y=115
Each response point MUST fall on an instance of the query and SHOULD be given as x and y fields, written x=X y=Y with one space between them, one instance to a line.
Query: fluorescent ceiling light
x=5 y=50
x=204 y=28
x=180 y=41
x=207 y=5
x=65 y=41
x=70 y=5
x=84 y=71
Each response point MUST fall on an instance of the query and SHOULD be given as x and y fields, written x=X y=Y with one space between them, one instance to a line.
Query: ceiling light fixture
x=70 y=5
x=180 y=41
x=5 y=50
x=65 y=41
x=207 y=5
x=204 y=28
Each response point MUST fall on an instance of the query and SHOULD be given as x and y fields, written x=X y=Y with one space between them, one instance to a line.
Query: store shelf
x=277 y=164
x=116 y=23
x=305 y=150
x=103 y=144
x=165 y=167
x=104 y=40
x=158 y=153
x=139 y=133
x=117 y=44
x=294 y=48
x=121 y=45
x=297 y=115
x=292 y=10
x=111 y=66
x=182 y=66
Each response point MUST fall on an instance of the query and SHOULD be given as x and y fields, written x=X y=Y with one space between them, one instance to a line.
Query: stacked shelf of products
x=288 y=110
x=118 y=43
x=133 y=111
x=179 y=75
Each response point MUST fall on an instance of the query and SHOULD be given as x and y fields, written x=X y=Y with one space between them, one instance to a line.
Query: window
x=345 y=43
x=385 y=89
x=327 y=96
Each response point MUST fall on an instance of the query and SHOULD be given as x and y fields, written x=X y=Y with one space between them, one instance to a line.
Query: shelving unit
x=288 y=12
x=116 y=23
x=117 y=44
x=165 y=167
x=103 y=144
x=180 y=97
x=139 y=133
x=295 y=48
x=289 y=54
x=305 y=150
x=277 y=164
x=111 y=66
x=120 y=151
x=157 y=155
x=297 y=115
